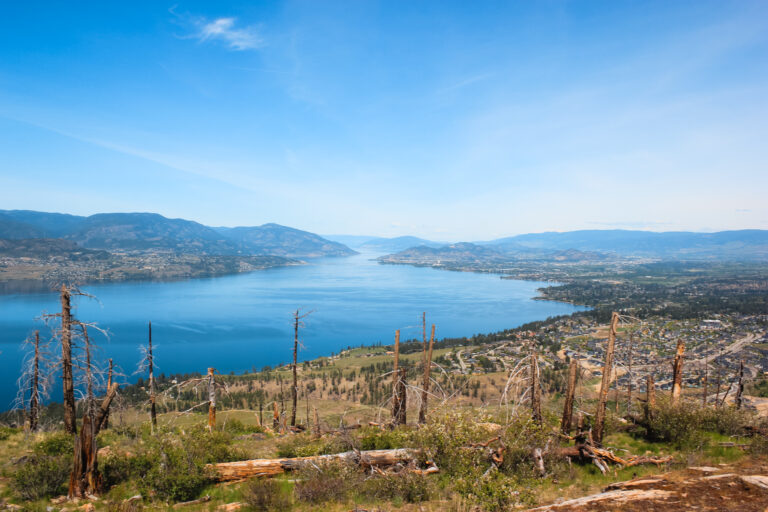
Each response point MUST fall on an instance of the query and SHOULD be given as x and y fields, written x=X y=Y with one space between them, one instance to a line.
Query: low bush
x=237 y=427
x=266 y=494
x=684 y=425
x=305 y=445
x=404 y=486
x=6 y=432
x=41 y=476
x=57 y=443
x=332 y=481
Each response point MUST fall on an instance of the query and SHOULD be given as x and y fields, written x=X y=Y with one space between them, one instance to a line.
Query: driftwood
x=240 y=470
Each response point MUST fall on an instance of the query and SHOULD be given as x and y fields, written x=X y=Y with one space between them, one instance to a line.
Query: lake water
x=239 y=322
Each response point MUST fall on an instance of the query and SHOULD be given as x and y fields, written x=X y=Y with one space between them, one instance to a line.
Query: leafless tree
x=298 y=317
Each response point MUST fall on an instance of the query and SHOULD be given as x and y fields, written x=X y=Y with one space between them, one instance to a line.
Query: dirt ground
x=739 y=487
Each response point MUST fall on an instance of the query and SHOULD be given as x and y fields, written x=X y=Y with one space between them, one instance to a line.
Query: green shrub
x=266 y=494
x=175 y=474
x=378 y=439
x=41 y=476
x=494 y=491
x=684 y=424
x=58 y=443
x=116 y=469
x=6 y=432
x=237 y=427
x=404 y=486
x=304 y=445
x=331 y=481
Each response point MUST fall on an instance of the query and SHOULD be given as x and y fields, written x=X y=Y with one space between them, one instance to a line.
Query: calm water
x=239 y=322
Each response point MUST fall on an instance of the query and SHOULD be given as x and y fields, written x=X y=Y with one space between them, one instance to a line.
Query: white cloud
x=223 y=29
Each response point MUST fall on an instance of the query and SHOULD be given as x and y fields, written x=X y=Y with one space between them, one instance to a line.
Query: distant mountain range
x=153 y=232
x=382 y=244
x=747 y=244
x=596 y=245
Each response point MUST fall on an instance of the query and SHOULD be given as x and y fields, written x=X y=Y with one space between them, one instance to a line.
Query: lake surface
x=240 y=322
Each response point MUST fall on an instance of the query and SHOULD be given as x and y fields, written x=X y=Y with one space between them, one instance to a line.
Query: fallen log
x=204 y=499
x=240 y=470
x=599 y=456
x=611 y=499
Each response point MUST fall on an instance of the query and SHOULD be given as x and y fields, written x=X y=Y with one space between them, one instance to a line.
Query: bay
x=240 y=322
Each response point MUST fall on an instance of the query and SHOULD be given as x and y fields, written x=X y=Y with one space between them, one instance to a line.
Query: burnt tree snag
x=535 y=389
x=85 y=478
x=211 y=400
x=396 y=380
x=606 y=382
x=275 y=417
x=34 y=397
x=109 y=385
x=66 y=361
x=740 y=386
x=425 y=383
x=401 y=406
x=570 y=394
x=650 y=397
x=677 y=373
x=316 y=426
x=151 y=364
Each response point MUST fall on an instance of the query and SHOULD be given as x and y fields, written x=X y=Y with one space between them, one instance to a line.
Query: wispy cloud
x=224 y=29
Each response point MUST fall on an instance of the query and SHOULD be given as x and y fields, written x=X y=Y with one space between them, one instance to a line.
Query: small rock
x=88 y=507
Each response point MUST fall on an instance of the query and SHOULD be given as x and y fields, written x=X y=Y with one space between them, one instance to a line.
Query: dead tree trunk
x=151 y=363
x=677 y=373
x=211 y=400
x=425 y=383
x=85 y=478
x=109 y=385
x=89 y=395
x=606 y=382
x=275 y=417
x=316 y=426
x=306 y=399
x=570 y=394
x=650 y=397
x=535 y=389
x=66 y=361
x=629 y=372
x=399 y=413
x=740 y=386
x=34 y=396
x=396 y=381
x=295 y=389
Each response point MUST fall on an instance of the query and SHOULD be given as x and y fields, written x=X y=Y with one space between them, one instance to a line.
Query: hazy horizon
x=442 y=120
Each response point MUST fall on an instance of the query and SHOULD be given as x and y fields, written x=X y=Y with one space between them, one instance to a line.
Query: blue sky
x=449 y=120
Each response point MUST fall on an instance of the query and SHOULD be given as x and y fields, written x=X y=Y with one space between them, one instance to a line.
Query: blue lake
x=239 y=322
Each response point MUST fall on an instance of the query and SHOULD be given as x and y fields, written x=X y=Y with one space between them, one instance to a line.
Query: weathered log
x=610 y=499
x=204 y=499
x=240 y=470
